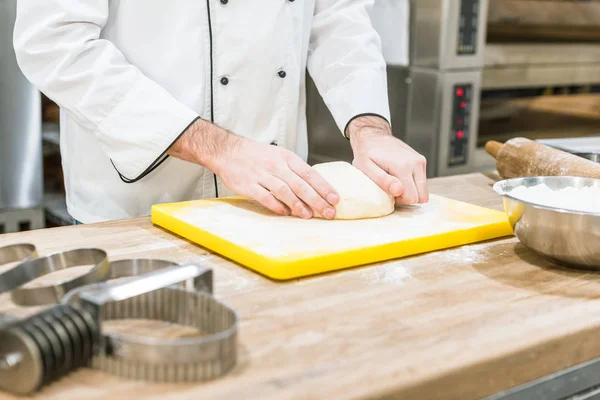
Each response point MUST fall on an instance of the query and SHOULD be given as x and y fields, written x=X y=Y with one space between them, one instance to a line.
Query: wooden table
x=457 y=324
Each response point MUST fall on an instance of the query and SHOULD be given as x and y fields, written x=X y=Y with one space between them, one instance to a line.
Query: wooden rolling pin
x=521 y=157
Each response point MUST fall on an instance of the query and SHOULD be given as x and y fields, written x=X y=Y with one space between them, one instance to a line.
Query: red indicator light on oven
x=460 y=92
x=463 y=104
x=460 y=121
x=460 y=135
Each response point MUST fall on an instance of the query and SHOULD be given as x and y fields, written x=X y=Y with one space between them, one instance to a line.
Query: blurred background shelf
x=544 y=20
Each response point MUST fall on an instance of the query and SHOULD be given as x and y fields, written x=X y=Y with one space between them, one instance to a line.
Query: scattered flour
x=392 y=273
x=585 y=199
x=305 y=339
x=249 y=226
x=476 y=254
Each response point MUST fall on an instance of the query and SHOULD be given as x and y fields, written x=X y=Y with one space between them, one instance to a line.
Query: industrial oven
x=478 y=70
x=21 y=169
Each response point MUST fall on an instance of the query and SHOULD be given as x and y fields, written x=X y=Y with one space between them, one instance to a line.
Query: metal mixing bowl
x=565 y=236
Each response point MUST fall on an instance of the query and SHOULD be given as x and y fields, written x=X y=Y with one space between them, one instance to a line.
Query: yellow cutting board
x=288 y=247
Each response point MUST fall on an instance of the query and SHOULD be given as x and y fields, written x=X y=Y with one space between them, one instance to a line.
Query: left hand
x=390 y=163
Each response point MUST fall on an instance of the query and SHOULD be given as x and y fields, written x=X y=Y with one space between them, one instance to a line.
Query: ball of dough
x=360 y=197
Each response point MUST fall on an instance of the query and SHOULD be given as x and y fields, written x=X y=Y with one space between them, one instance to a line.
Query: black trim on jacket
x=163 y=157
x=212 y=107
x=156 y=163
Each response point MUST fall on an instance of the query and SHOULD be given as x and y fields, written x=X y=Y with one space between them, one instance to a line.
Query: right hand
x=276 y=178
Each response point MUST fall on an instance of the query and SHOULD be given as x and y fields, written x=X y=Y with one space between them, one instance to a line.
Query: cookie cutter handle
x=192 y=275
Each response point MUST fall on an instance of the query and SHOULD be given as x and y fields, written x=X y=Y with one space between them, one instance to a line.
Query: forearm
x=204 y=144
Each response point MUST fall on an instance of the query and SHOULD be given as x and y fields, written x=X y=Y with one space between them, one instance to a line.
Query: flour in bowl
x=584 y=199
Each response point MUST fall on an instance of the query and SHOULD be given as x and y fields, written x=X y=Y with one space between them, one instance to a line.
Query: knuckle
x=264 y=198
x=281 y=191
x=271 y=164
x=320 y=206
x=299 y=188
x=404 y=165
x=298 y=207
x=399 y=167
x=305 y=174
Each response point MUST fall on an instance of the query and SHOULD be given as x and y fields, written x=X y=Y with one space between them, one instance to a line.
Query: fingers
x=420 y=179
x=384 y=180
x=311 y=188
x=410 y=195
x=412 y=175
x=282 y=191
x=317 y=183
x=264 y=197
x=404 y=173
x=305 y=192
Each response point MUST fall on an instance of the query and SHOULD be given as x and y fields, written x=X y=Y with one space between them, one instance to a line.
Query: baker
x=166 y=101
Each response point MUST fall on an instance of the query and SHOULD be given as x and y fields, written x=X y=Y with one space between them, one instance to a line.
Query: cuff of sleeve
x=142 y=127
x=363 y=93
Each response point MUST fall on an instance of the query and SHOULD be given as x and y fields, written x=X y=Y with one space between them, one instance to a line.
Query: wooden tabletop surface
x=457 y=324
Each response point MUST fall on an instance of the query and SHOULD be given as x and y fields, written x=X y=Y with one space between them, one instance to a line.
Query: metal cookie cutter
x=30 y=270
x=47 y=346
x=166 y=360
x=9 y=254
x=17 y=252
x=14 y=253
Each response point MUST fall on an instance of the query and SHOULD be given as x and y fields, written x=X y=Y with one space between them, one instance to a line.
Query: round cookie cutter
x=30 y=270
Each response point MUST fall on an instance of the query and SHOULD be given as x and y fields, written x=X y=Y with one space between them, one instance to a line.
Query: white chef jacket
x=131 y=75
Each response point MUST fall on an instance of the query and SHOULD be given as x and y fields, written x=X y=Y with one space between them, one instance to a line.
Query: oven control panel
x=467 y=27
x=459 y=128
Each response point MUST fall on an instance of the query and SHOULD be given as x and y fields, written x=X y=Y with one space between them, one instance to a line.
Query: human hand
x=275 y=177
x=390 y=163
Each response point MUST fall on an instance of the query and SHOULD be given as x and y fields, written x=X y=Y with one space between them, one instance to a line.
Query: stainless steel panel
x=398 y=94
x=429 y=122
x=447 y=82
x=20 y=125
x=434 y=35
x=422 y=115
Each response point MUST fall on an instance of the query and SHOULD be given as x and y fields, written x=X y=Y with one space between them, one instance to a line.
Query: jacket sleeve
x=59 y=49
x=346 y=62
